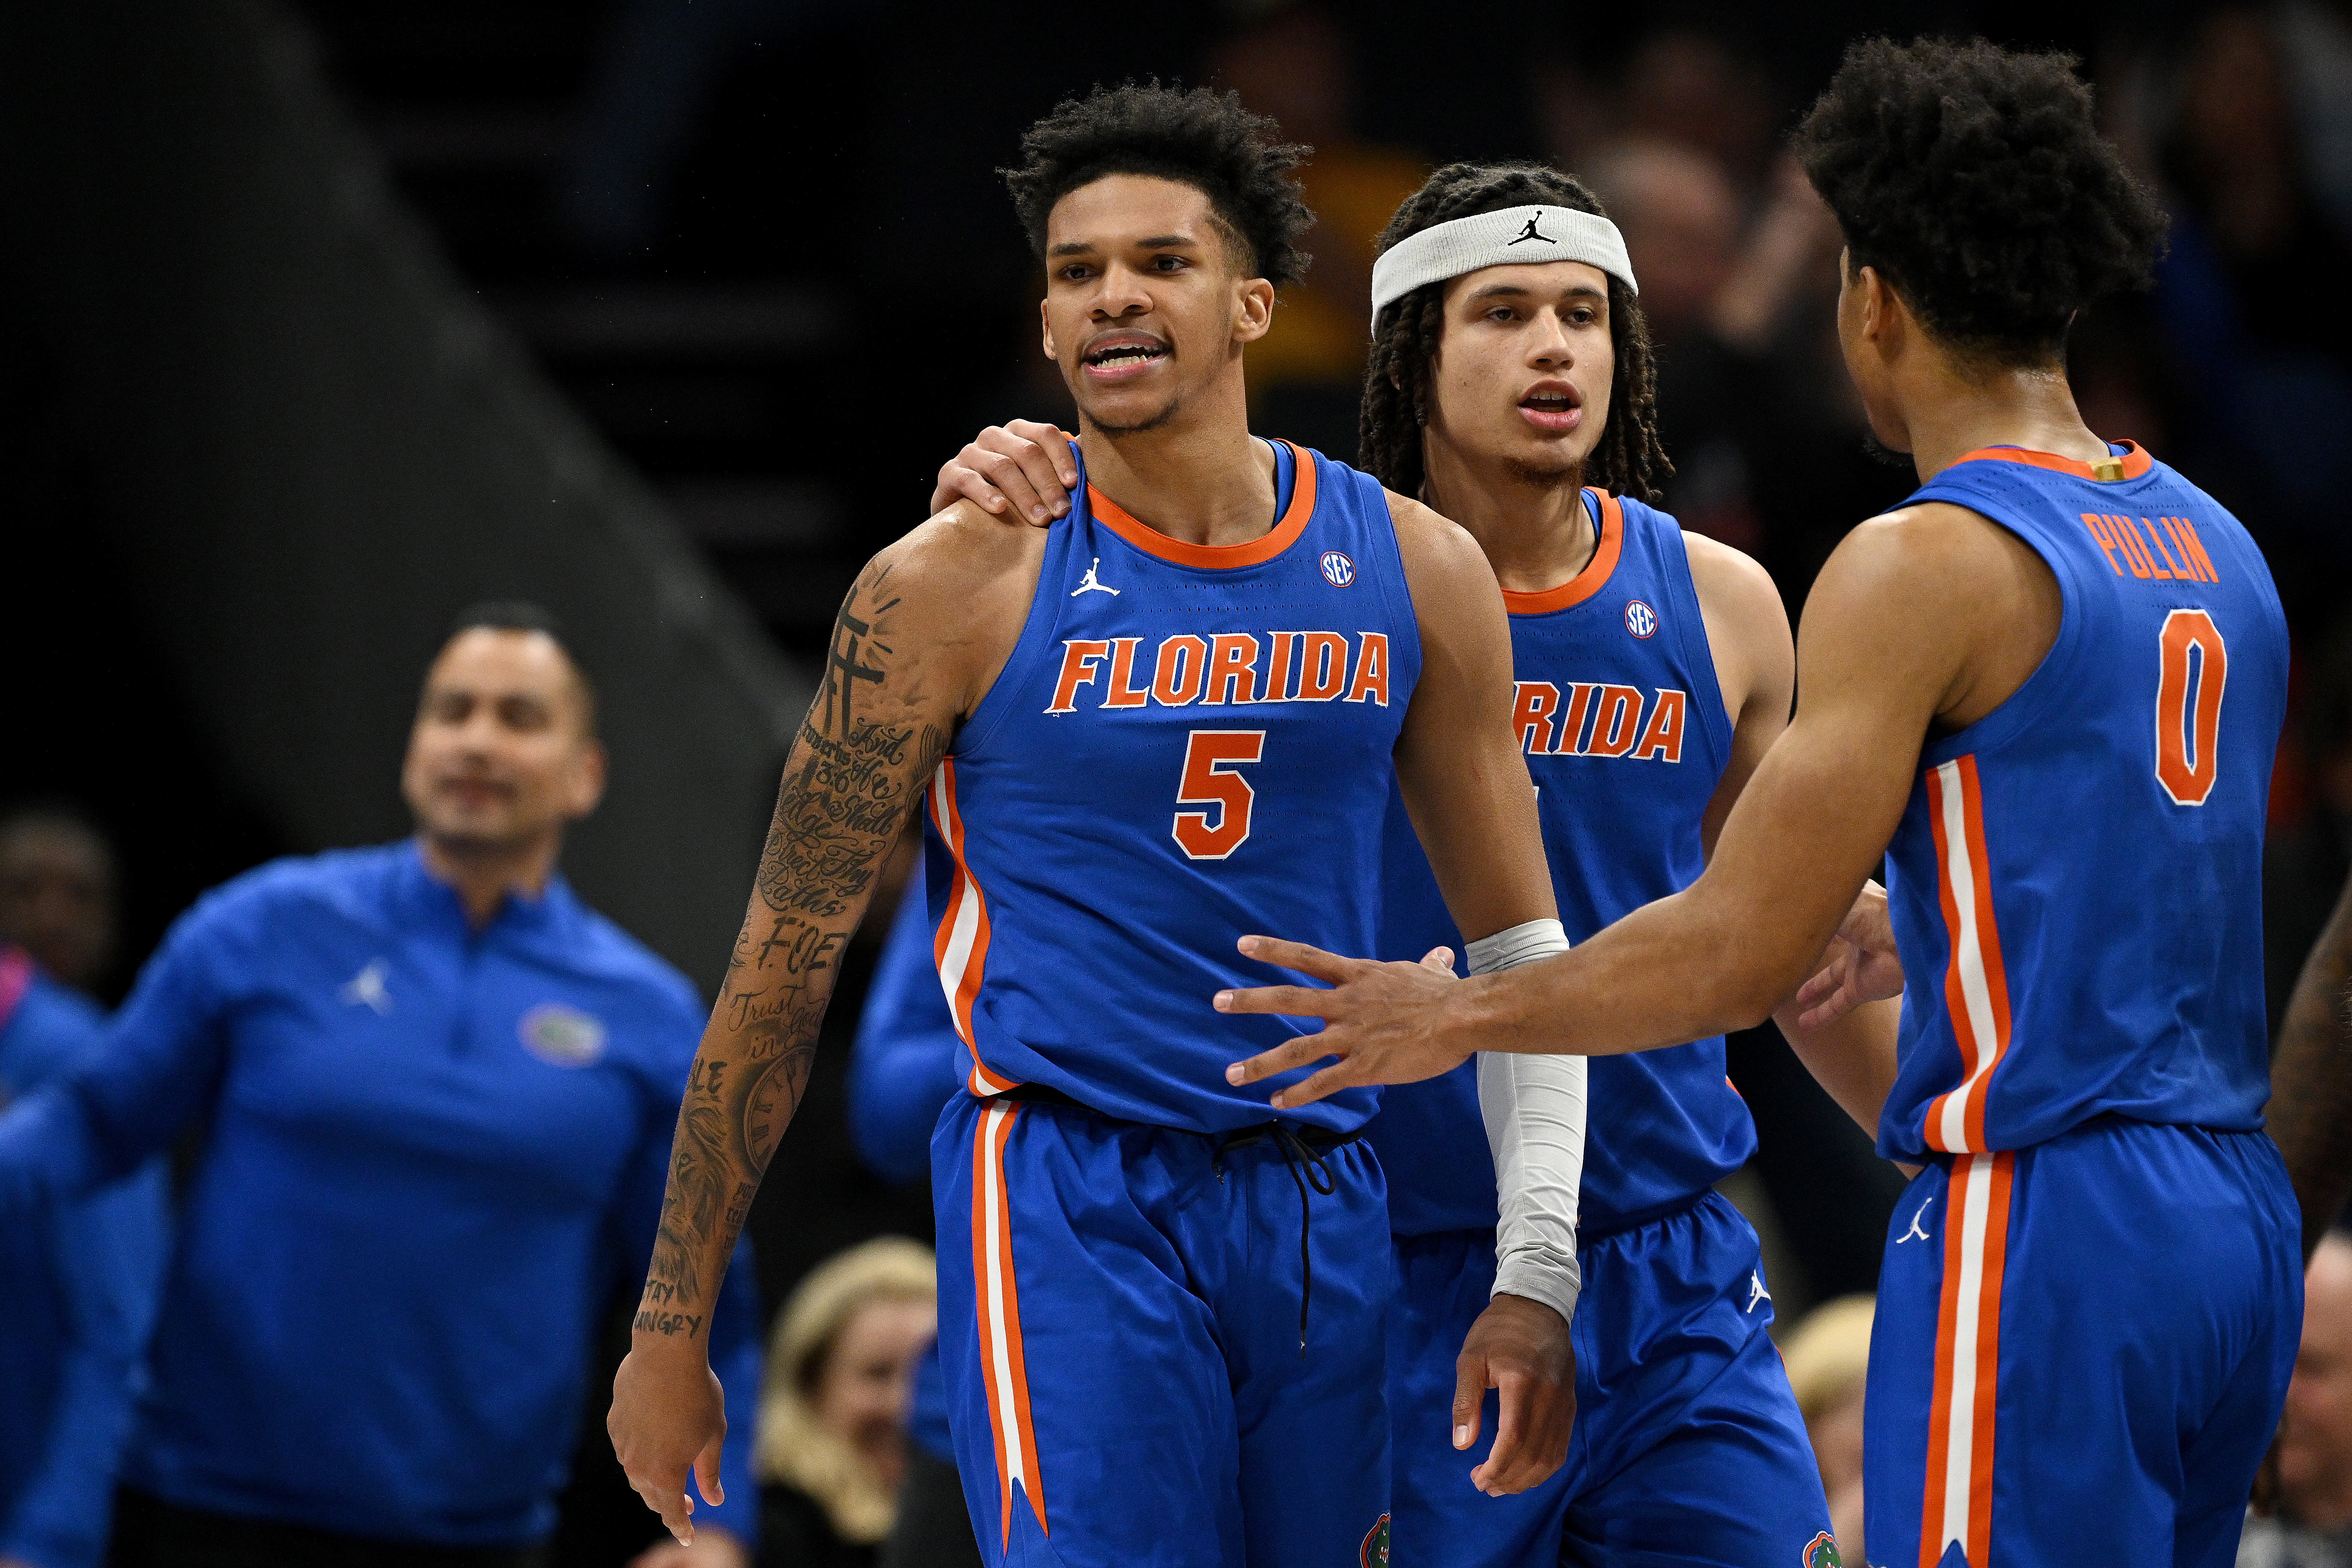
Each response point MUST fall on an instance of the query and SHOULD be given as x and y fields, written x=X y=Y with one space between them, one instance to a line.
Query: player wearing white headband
x=1510 y=370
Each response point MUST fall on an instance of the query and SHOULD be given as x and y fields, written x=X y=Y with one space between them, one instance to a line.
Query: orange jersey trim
x=1004 y=1366
x=960 y=946
x=1956 y=1504
x=2135 y=462
x=1218 y=557
x=1596 y=573
x=1976 y=984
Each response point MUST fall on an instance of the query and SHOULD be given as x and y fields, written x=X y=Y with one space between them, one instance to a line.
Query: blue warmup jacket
x=433 y=1155
x=902 y=1066
x=906 y=1063
x=81 y=1278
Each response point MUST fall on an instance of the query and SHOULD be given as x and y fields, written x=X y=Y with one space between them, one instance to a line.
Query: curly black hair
x=1976 y=180
x=1201 y=137
x=1629 y=459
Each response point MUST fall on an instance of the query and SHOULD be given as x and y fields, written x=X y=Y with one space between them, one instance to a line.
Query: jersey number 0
x=2189 y=705
x=1209 y=781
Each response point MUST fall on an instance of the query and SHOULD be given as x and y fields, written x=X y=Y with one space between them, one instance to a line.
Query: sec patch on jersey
x=1640 y=619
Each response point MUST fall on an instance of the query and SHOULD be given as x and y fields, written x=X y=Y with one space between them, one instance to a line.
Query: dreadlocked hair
x=1629 y=460
x=1203 y=138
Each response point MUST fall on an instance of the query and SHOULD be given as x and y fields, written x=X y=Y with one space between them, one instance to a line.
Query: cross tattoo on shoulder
x=843 y=670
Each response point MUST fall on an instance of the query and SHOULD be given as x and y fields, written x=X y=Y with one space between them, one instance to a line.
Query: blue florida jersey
x=1188 y=744
x=2076 y=883
x=1626 y=735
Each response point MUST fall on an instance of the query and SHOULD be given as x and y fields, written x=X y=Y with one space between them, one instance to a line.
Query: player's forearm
x=747 y=1080
x=858 y=767
x=1853 y=1058
x=2311 y=1079
x=1672 y=972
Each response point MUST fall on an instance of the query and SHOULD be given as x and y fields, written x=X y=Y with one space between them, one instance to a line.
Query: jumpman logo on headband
x=1915 y=1231
x=1090 y=585
x=1531 y=232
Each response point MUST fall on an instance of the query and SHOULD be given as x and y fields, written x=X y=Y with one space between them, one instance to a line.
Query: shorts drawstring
x=1309 y=1167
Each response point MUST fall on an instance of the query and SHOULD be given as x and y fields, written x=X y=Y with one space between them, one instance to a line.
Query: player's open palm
x=668 y=1419
x=1861 y=964
x=1521 y=1350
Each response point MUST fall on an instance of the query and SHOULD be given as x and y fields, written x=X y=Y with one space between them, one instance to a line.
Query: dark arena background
x=320 y=319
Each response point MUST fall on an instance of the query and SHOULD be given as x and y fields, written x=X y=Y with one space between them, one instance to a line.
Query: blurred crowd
x=2237 y=368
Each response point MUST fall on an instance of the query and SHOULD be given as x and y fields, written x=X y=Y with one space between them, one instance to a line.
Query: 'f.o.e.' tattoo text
x=859 y=762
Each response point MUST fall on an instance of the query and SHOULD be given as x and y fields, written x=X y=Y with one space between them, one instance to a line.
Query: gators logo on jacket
x=1821 y=1551
x=1374 y=1553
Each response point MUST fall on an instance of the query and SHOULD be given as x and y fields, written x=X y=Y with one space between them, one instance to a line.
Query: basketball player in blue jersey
x=2047 y=691
x=1171 y=718
x=1652 y=670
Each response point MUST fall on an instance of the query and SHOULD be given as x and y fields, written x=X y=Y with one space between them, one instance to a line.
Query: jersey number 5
x=1208 y=781
x=2189 y=704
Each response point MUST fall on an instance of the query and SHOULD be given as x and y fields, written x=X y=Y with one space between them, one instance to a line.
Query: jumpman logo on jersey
x=1755 y=1291
x=366 y=988
x=1089 y=584
x=1531 y=232
x=1914 y=1232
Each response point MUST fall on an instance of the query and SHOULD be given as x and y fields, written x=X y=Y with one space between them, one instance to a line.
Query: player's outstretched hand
x=1861 y=964
x=1521 y=1350
x=669 y=1418
x=1383 y=1021
x=1025 y=465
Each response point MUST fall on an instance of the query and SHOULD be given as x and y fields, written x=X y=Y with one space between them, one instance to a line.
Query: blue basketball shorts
x=1687 y=1449
x=2081 y=1350
x=1119 y=1328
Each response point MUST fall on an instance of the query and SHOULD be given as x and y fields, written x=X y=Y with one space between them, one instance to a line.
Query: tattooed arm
x=920 y=637
x=2311 y=1079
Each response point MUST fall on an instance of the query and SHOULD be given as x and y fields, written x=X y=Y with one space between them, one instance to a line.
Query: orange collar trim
x=1218 y=557
x=2135 y=461
x=1589 y=581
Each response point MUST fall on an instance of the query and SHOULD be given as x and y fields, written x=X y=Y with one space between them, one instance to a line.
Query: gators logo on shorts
x=1821 y=1551
x=1374 y=1553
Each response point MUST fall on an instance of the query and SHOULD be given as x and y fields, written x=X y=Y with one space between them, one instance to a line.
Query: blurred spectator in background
x=907 y=1062
x=81 y=1284
x=2252 y=297
x=1306 y=373
x=1766 y=439
x=438 y=1094
x=58 y=892
x=833 y=1415
x=1828 y=1357
x=1681 y=219
x=2313 y=1528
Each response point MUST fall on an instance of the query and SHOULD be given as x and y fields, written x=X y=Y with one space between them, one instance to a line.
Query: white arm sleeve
x=1534 y=1107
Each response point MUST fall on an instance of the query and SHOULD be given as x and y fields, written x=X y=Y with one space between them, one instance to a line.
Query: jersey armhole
x=2021 y=709
x=1698 y=649
x=1397 y=589
x=1037 y=627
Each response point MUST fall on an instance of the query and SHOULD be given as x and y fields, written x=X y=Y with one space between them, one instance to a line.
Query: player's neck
x=1535 y=529
x=482 y=875
x=1950 y=415
x=1199 y=478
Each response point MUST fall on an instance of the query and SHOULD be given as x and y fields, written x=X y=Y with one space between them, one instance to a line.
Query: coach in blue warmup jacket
x=438 y=1093
x=81 y=1284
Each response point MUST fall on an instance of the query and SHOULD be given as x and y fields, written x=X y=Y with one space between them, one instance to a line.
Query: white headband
x=1504 y=238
